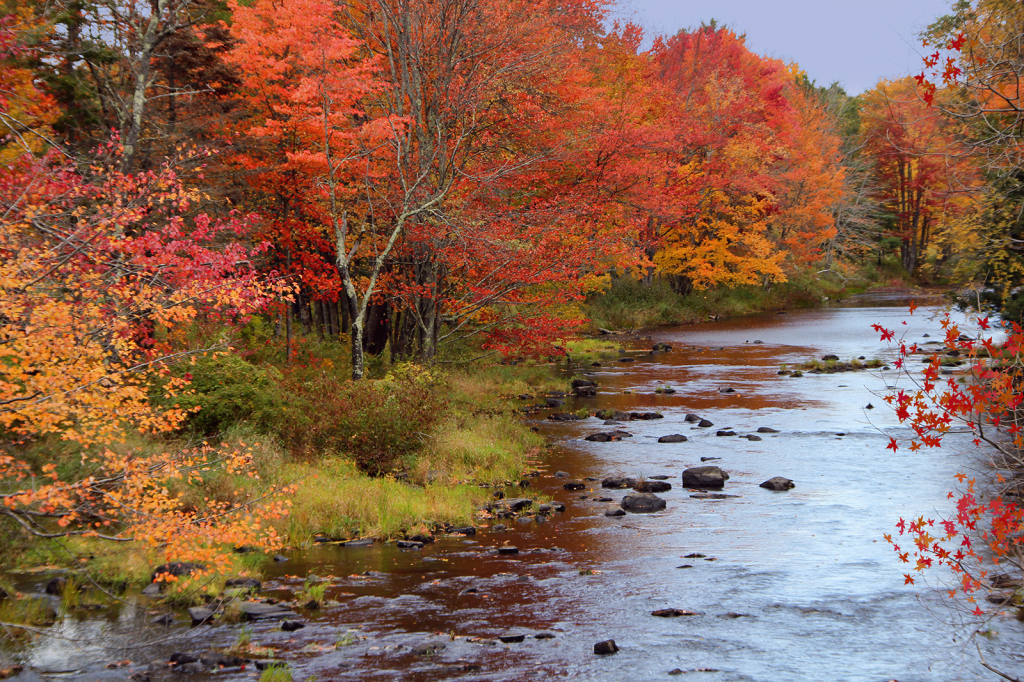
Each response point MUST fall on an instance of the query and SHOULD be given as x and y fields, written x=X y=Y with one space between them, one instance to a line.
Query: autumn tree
x=740 y=160
x=102 y=274
x=975 y=56
x=424 y=159
x=484 y=87
x=977 y=52
x=856 y=208
x=917 y=164
x=110 y=64
x=26 y=112
x=305 y=81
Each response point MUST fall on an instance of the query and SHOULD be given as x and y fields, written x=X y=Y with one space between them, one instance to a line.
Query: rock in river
x=642 y=503
x=603 y=437
x=616 y=483
x=56 y=585
x=674 y=438
x=767 y=429
x=565 y=417
x=704 y=477
x=515 y=503
x=256 y=611
x=606 y=647
x=617 y=415
x=429 y=649
x=778 y=483
x=673 y=613
x=705 y=423
x=574 y=485
x=652 y=486
x=692 y=419
x=177 y=569
x=1004 y=581
x=364 y=542
x=200 y=615
x=614 y=511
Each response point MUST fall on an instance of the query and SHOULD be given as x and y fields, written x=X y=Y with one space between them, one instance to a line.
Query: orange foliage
x=753 y=169
x=100 y=273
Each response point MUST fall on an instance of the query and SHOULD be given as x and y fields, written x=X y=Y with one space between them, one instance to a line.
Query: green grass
x=28 y=611
x=438 y=472
x=276 y=673
x=830 y=366
x=313 y=590
x=629 y=304
x=587 y=350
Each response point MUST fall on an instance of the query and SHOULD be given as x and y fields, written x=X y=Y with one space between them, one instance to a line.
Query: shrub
x=376 y=422
x=227 y=390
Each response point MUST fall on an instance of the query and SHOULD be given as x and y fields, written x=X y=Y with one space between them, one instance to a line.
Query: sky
x=855 y=42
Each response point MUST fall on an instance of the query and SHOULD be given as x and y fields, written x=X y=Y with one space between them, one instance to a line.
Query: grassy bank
x=403 y=453
x=629 y=304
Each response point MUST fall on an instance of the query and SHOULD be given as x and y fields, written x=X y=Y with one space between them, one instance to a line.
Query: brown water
x=821 y=595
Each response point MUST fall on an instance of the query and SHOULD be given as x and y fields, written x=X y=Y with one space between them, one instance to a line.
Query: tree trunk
x=356 y=334
x=426 y=307
x=332 y=310
x=319 y=319
x=287 y=334
x=132 y=130
x=377 y=325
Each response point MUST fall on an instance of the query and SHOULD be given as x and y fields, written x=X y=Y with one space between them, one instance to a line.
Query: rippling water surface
x=796 y=585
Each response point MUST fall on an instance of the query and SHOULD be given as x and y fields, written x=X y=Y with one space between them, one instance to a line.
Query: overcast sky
x=855 y=42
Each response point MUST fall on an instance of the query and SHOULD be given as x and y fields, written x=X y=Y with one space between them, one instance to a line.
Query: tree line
x=420 y=171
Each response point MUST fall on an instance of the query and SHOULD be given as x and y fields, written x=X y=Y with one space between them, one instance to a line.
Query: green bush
x=228 y=390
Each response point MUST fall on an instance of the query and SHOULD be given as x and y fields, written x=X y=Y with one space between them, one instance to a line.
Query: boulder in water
x=652 y=486
x=704 y=477
x=673 y=438
x=642 y=503
x=778 y=483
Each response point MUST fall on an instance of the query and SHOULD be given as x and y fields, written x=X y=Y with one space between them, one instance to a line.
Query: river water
x=795 y=585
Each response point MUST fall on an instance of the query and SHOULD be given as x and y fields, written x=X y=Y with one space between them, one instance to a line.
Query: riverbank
x=631 y=304
x=409 y=452
x=778 y=580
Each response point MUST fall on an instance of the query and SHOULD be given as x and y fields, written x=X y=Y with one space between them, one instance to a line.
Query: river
x=794 y=585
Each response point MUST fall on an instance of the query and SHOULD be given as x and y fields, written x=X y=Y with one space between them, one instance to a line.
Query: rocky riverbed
x=698 y=531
